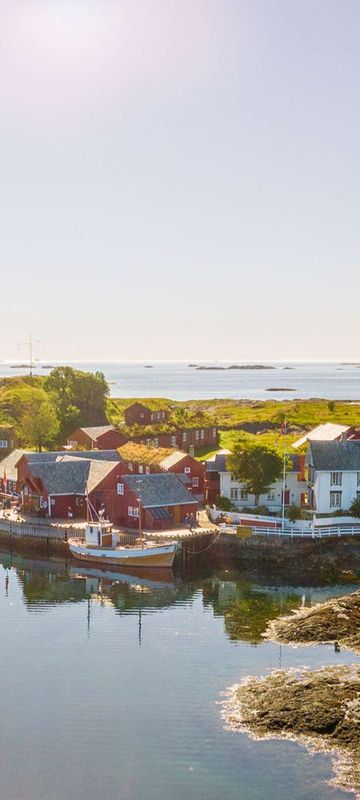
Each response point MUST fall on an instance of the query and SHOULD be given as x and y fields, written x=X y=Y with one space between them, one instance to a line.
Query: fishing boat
x=101 y=546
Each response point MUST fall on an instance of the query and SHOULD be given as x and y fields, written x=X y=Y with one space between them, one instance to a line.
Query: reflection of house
x=295 y=486
x=101 y=437
x=328 y=432
x=165 y=500
x=139 y=459
x=8 y=440
x=333 y=474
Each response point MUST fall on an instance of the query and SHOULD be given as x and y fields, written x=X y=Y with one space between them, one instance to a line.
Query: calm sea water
x=111 y=689
x=181 y=382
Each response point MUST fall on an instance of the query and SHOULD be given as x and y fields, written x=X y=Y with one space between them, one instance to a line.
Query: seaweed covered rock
x=320 y=708
x=336 y=620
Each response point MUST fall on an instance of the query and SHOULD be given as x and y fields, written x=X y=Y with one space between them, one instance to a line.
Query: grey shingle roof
x=62 y=477
x=332 y=456
x=71 y=475
x=97 y=430
x=8 y=464
x=56 y=455
x=159 y=489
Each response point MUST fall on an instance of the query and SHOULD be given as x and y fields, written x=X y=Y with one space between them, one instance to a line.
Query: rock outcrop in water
x=335 y=620
x=320 y=709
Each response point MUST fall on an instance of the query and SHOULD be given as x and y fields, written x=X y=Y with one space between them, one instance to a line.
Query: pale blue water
x=180 y=382
x=112 y=691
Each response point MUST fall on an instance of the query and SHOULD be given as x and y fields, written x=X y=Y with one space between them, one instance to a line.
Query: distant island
x=148 y=366
x=238 y=366
x=280 y=389
x=193 y=365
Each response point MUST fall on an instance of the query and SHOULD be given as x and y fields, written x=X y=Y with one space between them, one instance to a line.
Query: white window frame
x=214 y=432
x=244 y=494
x=184 y=436
x=195 y=481
x=140 y=469
x=187 y=470
x=173 y=441
x=335 y=499
x=133 y=511
x=197 y=435
x=202 y=434
x=335 y=478
x=271 y=494
x=234 y=493
x=120 y=489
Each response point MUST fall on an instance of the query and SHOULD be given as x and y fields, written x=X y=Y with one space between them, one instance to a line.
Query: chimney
x=192 y=450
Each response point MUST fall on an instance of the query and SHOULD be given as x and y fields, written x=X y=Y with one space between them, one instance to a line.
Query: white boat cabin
x=99 y=534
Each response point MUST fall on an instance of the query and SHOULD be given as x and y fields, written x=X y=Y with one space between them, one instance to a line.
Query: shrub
x=355 y=507
x=224 y=504
x=294 y=513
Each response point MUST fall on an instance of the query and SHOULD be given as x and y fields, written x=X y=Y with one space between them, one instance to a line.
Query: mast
x=284 y=478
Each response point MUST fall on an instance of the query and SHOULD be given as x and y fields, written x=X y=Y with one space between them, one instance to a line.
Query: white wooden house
x=333 y=475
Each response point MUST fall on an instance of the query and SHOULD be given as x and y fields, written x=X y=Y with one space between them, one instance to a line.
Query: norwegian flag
x=282 y=430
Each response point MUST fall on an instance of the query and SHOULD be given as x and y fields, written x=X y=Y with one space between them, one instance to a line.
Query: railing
x=40 y=531
x=316 y=533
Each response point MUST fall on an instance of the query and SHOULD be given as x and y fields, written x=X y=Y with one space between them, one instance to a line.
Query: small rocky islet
x=319 y=708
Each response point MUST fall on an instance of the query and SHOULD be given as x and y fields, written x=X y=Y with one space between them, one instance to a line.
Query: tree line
x=44 y=411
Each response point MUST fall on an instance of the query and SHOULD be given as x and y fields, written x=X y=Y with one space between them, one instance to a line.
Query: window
x=72 y=442
x=335 y=478
x=214 y=432
x=3 y=444
x=148 y=442
x=152 y=417
x=156 y=441
x=120 y=488
x=142 y=415
x=234 y=494
x=202 y=434
x=133 y=511
x=335 y=499
x=243 y=494
x=141 y=469
x=271 y=494
x=197 y=435
x=147 y=470
x=195 y=482
x=187 y=470
x=130 y=466
x=173 y=441
x=184 y=436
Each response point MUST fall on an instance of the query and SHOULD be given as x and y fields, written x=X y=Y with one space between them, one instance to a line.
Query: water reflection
x=245 y=606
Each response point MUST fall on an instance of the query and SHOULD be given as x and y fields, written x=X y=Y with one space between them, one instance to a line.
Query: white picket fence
x=40 y=531
x=315 y=533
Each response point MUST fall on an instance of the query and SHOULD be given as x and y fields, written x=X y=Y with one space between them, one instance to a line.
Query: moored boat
x=101 y=546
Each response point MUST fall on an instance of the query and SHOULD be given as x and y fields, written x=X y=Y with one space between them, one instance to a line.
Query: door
x=287 y=497
x=177 y=514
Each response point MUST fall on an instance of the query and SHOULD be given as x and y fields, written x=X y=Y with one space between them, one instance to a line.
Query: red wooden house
x=101 y=437
x=141 y=414
x=163 y=499
x=140 y=459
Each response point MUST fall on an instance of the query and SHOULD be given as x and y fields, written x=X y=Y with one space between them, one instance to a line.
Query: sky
x=180 y=179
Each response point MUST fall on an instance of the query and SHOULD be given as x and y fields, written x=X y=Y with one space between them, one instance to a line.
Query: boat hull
x=157 y=556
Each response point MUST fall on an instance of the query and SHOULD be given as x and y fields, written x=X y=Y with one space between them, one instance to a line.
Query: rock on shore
x=336 y=620
x=321 y=709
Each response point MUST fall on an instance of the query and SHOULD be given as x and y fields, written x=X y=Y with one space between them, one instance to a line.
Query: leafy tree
x=355 y=507
x=257 y=467
x=79 y=397
x=39 y=424
x=331 y=405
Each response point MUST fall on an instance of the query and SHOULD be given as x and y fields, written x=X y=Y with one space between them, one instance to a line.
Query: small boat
x=102 y=546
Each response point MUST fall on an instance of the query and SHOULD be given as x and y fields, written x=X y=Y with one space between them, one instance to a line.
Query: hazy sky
x=180 y=178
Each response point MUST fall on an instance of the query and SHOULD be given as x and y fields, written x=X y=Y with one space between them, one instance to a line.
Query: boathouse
x=101 y=437
x=162 y=499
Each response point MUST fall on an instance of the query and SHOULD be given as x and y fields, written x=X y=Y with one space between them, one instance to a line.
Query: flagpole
x=284 y=479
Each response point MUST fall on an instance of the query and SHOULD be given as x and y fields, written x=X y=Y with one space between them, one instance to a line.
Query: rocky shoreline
x=319 y=708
